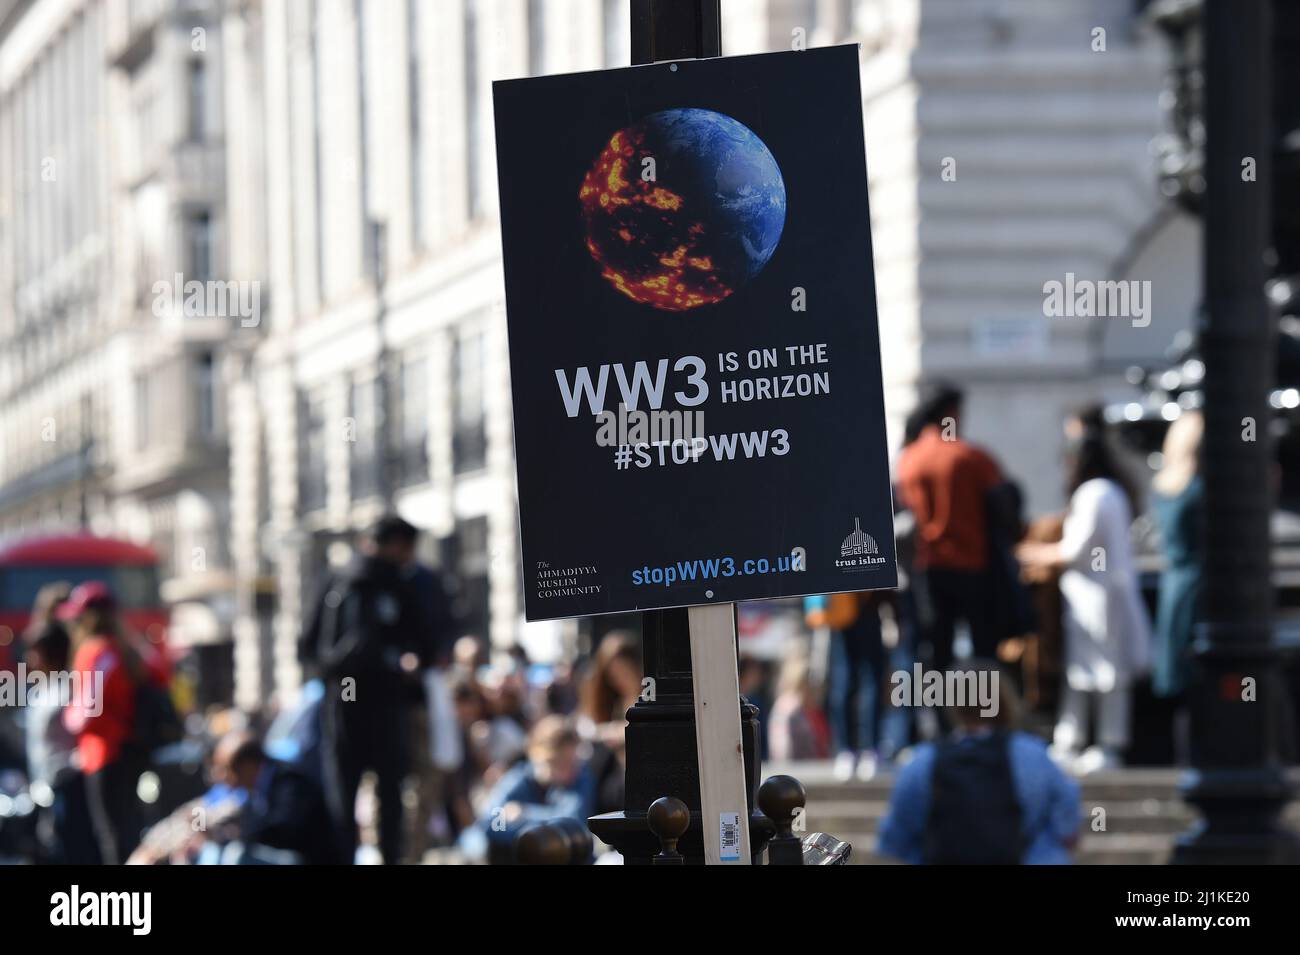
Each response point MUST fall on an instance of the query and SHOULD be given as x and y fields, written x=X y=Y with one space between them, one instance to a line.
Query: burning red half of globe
x=682 y=208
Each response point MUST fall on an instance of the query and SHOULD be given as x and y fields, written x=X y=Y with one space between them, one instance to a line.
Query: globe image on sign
x=682 y=208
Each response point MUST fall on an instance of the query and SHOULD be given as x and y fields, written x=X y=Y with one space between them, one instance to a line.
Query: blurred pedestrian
x=45 y=608
x=1177 y=501
x=467 y=655
x=1107 y=634
x=502 y=736
x=116 y=676
x=64 y=829
x=987 y=795
x=553 y=782
x=366 y=637
x=435 y=739
x=903 y=648
x=855 y=676
x=945 y=482
x=471 y=710
x=611 y=686
x=797 y=729
x=283 y=817
x=612 y=683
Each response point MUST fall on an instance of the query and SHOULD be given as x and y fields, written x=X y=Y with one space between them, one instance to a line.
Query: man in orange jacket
x=945 y=482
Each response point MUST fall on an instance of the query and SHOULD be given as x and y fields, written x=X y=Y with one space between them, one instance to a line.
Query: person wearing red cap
x=102 y=717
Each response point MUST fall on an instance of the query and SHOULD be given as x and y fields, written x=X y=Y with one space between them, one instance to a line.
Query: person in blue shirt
x=553 y=782
x=987 y=794
x=282 y=816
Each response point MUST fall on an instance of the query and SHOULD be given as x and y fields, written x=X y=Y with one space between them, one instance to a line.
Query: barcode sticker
x=729 y=836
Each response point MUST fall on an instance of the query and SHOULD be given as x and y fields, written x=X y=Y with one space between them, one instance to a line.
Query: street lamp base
x=1240 y=825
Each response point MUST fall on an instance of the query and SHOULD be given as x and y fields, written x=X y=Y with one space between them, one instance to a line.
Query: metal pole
x=1239 y=702
x=675 y=30
x=672 y=30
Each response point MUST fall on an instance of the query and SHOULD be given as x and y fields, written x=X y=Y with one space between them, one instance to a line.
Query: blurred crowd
x=408 y=739
x=412 y=741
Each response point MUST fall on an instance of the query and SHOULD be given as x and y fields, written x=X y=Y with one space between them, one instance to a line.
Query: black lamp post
x=1239 y=701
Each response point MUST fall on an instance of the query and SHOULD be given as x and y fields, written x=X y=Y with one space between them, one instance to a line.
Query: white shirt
x=1107 y=633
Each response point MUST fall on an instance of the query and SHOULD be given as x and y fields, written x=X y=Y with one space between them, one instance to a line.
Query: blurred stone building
x=112 y=186
x=381 y=379
x=1009 y=144
x=337 y=157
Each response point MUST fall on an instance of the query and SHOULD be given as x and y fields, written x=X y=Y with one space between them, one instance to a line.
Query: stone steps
x=1143 y=812
x=1128 y=849
x=1153 y=816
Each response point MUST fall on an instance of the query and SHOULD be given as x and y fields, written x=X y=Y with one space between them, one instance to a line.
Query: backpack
x=975 y=815
x=156 y=724
x=1010 y=605
x=357 y=626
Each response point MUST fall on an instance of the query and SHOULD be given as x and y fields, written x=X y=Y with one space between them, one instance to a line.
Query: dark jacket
x=286 y=810
x=437 y=620
x=366 y=618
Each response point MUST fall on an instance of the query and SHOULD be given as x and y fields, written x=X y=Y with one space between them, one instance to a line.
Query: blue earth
x=682 y=208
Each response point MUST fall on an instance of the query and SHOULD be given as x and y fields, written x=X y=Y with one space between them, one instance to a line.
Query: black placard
x=693 y=236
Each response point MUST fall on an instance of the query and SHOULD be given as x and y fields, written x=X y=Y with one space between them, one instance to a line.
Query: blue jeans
x=66 y=831
x=896 y=721
x=857 y=658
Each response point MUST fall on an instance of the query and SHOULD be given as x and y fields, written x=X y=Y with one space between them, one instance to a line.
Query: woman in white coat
x=1107 y=632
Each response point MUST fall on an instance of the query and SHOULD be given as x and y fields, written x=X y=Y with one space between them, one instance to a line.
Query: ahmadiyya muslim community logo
x=682 y=208
x=859 y=550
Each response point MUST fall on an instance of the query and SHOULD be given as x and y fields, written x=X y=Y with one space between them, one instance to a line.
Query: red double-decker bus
x=28 y=565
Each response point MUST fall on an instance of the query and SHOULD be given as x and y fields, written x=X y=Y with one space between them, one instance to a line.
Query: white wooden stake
x=717 y=734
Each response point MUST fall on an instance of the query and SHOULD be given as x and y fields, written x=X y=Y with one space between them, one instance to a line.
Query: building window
x=364 y=464
x=312 y=465
x=469 y=435
x=198 y=246
x=196 y=89
x=413 y=423
x=205 y=380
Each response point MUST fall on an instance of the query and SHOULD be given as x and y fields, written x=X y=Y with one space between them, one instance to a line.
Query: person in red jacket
x=945 y=482
x=109 y=668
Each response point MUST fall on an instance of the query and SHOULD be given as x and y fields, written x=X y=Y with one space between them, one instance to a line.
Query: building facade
x=111 y=405
x=1008 y=145
x=382 y=380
